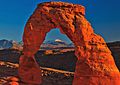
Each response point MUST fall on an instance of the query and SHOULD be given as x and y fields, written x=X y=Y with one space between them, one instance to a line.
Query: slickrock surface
x=95 y=64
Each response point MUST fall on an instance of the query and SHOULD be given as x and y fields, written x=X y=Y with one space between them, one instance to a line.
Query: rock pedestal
x=95 y=65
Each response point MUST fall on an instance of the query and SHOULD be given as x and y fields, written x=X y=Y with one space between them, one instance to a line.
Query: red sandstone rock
x=29 y=71
x=13 y=79
x=95 y=65
x=14 y=83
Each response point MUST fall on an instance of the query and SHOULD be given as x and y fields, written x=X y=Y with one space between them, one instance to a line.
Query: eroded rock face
x=95 y=64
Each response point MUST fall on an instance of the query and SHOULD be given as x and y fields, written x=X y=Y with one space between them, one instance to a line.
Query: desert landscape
x=54 y=43
x=57 y=66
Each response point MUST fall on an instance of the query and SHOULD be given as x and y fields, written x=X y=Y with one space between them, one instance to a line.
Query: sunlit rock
x=95 y=64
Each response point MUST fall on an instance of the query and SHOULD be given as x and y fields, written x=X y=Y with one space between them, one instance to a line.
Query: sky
x=104 y=16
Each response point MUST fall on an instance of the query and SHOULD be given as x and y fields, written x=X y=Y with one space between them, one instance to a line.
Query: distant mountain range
x=6 y=44
x=11 y=44
x=56 y=44
x=115 y=44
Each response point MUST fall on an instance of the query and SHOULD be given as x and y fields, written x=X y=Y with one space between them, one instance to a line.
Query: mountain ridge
x=57 y=43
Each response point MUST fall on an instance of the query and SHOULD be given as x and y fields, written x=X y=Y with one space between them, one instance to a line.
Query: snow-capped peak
x=58 y=40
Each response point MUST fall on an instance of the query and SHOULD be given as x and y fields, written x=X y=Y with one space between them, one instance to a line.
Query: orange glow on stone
x=95 y=64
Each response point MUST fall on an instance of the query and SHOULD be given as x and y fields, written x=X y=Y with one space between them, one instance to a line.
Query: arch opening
x=56 y=34
x=57 y=51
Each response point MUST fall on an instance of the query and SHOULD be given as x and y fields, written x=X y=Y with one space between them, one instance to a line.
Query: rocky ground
x=64 y=61
x=8 y=74
x=57 y=60
x=9 y=59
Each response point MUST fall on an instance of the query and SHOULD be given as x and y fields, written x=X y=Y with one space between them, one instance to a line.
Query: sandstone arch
x=95 y=65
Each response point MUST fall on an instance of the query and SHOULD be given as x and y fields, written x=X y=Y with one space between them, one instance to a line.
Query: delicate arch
x=91 y=49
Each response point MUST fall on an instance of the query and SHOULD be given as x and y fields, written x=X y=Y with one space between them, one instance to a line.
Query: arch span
x=95 y=64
